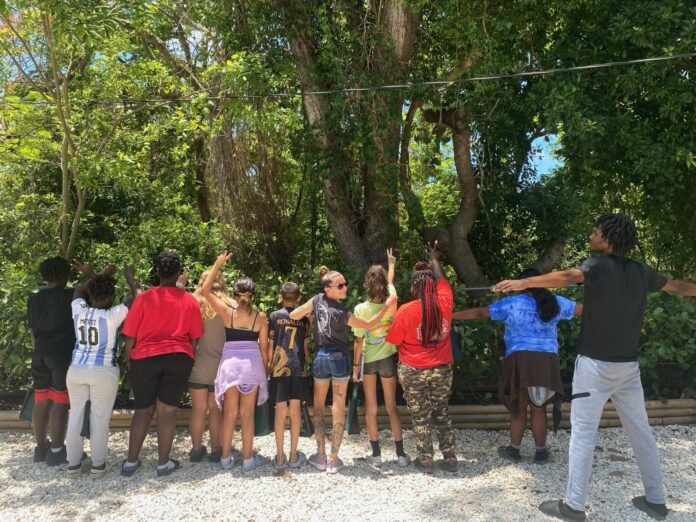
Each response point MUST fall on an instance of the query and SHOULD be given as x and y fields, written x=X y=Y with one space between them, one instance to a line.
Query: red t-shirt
x=163 y=320
x=405 y=331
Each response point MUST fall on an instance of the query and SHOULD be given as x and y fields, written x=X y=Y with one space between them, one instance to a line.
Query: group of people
x=232 y=358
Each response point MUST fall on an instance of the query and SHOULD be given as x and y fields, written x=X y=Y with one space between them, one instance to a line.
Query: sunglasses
x=341 y=286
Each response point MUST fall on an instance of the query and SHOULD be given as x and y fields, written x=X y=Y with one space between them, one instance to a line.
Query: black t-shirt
x=289 y=337
x=616 y=291
x=330 y=323
x=49 y=316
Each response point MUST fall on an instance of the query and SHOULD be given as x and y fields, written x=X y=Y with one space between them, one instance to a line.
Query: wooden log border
x=489 y=417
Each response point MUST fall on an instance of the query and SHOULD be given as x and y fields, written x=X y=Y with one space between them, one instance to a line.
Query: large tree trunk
x=364 y=226
x=454 y=239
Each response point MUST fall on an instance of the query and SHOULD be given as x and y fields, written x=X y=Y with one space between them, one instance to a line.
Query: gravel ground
x=485 y=488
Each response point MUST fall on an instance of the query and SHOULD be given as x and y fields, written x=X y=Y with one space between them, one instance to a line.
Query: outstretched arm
x=678 y=287
x=550 y=280
x=368 y=324
x=578 y=309
x=471 y=314
x=391 y=261
x=135 y=289
x=302 y=311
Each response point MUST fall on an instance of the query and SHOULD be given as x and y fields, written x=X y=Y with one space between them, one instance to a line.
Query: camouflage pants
x=427 y=394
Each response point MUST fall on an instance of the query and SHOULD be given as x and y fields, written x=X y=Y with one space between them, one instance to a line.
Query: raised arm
x=135 y=289
x=88 y=271
x=471 y=314
x=551 y=280
x=435 y=265
x=678 y=287
x=391 y=262
x=220 y=307
x=368 y=324
x=302 y=311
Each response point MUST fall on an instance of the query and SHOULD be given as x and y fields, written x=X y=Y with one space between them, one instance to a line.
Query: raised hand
x=432 y=250
x=129 y=273
x=390 y=256
x=182 y=280
x=109 y=271
x=222 y=259
x=84 y=268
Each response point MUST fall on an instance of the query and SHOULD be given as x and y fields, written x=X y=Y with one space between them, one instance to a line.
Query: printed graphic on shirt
x=96 y=333
x=323 y=317
x=289 y=337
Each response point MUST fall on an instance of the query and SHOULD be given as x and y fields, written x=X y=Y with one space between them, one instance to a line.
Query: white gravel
x=485 y=488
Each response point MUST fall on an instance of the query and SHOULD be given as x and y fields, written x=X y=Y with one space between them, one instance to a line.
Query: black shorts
x=199 y=386
x=48 y=373
x=286 y=388
x=383 y=367
x=161 y=378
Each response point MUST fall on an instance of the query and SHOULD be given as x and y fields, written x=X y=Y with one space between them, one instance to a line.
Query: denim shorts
x=331 y=363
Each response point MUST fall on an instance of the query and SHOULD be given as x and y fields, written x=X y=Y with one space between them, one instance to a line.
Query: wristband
x=356 y=366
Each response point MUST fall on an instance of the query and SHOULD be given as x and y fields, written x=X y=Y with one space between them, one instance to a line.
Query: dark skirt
x=286 y=388
x=525 y=369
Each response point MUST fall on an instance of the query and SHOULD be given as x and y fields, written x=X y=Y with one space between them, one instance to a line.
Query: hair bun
x=323 y=271
x=421 y=265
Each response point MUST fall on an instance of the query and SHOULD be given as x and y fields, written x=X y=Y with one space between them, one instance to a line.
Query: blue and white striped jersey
x=96 y=333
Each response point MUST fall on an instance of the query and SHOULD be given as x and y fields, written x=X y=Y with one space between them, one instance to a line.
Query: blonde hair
x=219 y=290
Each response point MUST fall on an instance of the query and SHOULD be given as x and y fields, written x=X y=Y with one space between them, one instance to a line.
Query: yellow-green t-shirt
x=375 y=346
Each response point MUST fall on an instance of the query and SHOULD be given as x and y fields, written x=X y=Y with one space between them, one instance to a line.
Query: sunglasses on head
x=341 y=286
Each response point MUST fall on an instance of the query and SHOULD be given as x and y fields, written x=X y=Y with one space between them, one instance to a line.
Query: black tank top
x=241 y=334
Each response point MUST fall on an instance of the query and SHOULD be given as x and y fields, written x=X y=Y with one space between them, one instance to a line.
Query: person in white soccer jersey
x=93 y=374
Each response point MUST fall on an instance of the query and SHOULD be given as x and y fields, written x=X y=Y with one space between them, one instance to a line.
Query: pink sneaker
x=318 y=461
x=334 y=465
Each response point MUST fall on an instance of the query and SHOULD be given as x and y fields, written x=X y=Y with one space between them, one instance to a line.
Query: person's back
x=165 y=319
x=50 y=321
x=96 y=332
x=616 y=290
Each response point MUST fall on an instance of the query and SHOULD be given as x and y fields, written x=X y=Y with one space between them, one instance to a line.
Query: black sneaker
x=425 y=464
x=542 y=457
x=56 y=459
x=215 y=454
x=450 y=464
x=656 y=511
x=559 y=509
x=509 y=453
x=168 y=471
x=197 y=455
x=128 y=471
x=40 y=452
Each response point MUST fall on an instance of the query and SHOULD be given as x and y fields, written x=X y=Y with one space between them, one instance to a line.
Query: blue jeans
x=331 y=363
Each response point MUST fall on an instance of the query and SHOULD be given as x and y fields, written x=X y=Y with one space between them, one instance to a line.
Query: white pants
x=99 y=385
x=621 y=383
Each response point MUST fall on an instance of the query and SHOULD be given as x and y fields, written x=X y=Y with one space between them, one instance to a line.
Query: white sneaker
x=375 y=461
x=227 y=464
x=403 y=460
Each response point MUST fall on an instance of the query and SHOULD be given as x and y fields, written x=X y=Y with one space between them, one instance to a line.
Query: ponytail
x=547 y=305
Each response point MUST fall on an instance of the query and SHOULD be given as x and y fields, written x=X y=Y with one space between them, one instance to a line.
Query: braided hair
x=423 y=289
x=101 y=288
x=619 y=231
x=169 y=263
x=54 y=269
x=547 y=305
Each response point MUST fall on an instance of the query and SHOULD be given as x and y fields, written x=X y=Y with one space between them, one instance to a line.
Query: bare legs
x=203 y=406
x=281 y=409
x=518 y=421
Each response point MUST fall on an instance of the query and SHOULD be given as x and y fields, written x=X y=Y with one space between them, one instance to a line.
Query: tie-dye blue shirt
x=523 y=328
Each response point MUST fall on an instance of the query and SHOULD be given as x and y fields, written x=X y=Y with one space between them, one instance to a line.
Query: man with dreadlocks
x=615 y=289
x=421 y=330
x=51 y=329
